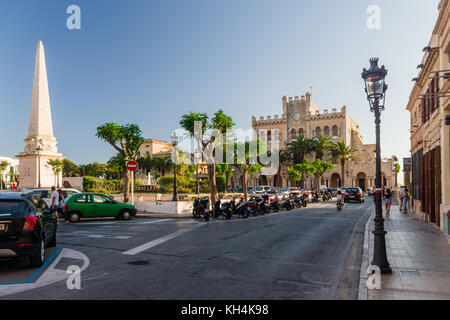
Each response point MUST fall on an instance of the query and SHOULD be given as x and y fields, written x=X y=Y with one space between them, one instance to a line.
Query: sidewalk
x=419 y=256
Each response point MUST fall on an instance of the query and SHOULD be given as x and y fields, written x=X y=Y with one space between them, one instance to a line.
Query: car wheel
x=74 y=217
x=37 y=259
x=125 y=215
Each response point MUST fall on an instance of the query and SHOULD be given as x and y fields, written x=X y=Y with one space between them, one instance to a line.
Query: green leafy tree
x=340 y=151
x=297 y=173
x=319 y=169
x=126 y=140
x=207 y=142
x=146 y=164
x=57 y=166
x=94 y=169
x=3 y=166
x=244 y=160
x=70 y=169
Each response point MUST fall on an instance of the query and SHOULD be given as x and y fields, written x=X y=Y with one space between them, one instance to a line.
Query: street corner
x=61 y=264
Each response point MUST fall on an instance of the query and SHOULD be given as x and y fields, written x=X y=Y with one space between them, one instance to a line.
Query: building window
x=317 y=131
x=262 y=135
x=326 y=131
x=335 y=131
x=301 y=133
x=269 y=135
x=293 y=134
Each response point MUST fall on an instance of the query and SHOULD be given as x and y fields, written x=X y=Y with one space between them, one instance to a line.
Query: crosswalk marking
x=155 y=221
x=161 y=240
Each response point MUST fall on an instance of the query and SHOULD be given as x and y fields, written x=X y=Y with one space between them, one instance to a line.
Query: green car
x=96 y=205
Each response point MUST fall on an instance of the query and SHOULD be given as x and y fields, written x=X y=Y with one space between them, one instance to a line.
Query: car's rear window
x=352 y=190
x=12 y=206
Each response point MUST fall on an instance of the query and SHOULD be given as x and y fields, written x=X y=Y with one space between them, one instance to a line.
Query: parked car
x=266 y=189
x=286 y=191
x=355 y=194
x=369 y=192
x=96 y=205
x=27 y=227
x=333 y=191
x=45 y=193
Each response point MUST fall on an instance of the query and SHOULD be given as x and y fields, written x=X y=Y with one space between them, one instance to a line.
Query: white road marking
x=155 y=221
x=50 y=276
x=163 y=239
x=97 y=236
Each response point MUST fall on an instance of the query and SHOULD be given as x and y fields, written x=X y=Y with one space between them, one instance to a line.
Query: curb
x=363 y=291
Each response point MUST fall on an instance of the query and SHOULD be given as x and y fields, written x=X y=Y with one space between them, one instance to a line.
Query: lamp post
x=174 y=144
x=375 y=88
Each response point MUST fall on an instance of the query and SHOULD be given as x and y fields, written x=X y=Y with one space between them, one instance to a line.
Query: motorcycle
x=285 y=204
x=264 y=206
x=223 y=209
x=240 y=209
x=315 y=197
x=340 y=205
x=324 y=196
x=253 y=206
x=297 y=201
x=305 y=200
x=201 y=208
x=274 y=204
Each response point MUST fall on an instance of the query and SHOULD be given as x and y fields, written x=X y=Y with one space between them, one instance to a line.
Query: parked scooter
x=315 y=197
x=222 y=209
x=305 y=199
x=239 y=209
x=201 y=208
x=274 y=204
x=297 y=201
x=285 y=204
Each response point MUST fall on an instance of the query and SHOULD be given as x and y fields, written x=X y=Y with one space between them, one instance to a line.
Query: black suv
x=26 y=226
x=355 y=194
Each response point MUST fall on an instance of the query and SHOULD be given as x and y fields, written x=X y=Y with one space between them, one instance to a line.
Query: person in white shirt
x=54 y=198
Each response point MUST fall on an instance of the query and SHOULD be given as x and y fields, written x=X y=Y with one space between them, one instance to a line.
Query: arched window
x=326 y=131
x=335 y=131
x=293 y=134
x=262 y=135
x=269 y=135
x=301 y=133
x=317 y=131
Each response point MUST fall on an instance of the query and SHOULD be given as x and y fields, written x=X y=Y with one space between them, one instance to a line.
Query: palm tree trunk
x=342 y=173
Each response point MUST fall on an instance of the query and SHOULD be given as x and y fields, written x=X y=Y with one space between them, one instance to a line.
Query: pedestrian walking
x=54 y=202
x=61 y=201
x=388 y=201
x=402 y=195
x=405 y=201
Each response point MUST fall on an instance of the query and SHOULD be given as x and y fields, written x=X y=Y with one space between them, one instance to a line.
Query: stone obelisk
x=40 y=144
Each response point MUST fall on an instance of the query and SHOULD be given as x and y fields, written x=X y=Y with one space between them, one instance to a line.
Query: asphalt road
x=309 y=253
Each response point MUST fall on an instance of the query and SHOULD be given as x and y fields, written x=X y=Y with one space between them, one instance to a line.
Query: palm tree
x=57 y=166
x=320 y=145
x=3 y=165
x=147 y=164
x=299 y=148
x=162 y=163
x=343 y=152
x=117 y=164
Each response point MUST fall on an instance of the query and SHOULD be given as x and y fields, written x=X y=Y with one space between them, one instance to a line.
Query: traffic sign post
x=132 y=166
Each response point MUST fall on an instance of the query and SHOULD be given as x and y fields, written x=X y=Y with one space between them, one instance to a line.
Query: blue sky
x=148 y=62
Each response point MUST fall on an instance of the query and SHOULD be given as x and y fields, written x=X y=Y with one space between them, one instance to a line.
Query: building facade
x=429 y=103
x=7 y=176
x=301 y=116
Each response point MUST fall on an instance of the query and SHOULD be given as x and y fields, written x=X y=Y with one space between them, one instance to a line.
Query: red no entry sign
x=132 y=165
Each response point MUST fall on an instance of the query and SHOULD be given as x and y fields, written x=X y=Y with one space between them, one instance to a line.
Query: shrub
x=220 y=183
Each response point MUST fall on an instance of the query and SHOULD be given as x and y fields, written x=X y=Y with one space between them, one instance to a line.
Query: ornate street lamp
x=174 y=144
x=376 y=93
